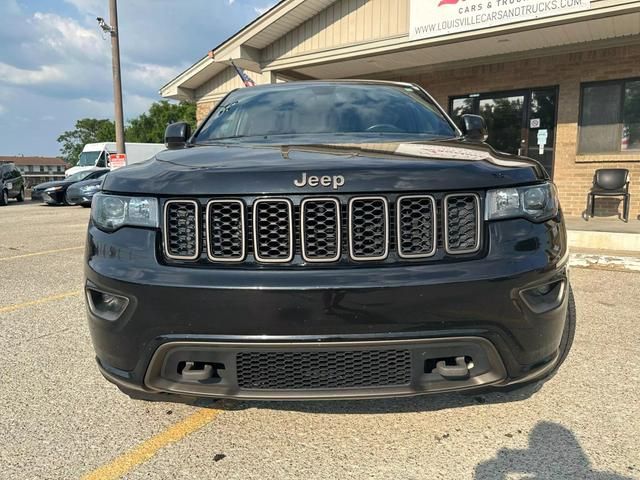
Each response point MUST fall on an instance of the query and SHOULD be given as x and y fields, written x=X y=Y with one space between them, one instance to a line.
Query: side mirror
x=474 y=128
x=176 y=135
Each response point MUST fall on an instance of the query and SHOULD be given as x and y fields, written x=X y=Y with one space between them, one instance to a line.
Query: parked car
x=11 y=183
x=328 y=240
x=54 y=193
x=81 y=193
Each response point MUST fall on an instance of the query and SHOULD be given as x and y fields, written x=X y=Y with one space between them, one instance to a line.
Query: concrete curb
x=605 y=262
x=629 y=242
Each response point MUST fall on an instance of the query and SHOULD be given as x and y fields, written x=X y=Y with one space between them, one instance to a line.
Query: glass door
x=520 y=122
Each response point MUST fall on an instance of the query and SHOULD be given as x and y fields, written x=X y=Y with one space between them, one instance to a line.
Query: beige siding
x=223 y=83
x=345 y=22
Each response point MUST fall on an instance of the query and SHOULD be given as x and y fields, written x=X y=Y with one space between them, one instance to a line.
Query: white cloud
x=2 y=109
x=149 y=74
x=67 y=37
x=20 y=76
x=93 y=7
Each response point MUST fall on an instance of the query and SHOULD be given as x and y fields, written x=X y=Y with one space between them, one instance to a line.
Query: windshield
x=76 y=177
x=357 y=110
x=88 y=159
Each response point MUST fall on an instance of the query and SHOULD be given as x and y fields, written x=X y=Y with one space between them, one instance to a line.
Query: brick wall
x=203 y=109
x=573 y=173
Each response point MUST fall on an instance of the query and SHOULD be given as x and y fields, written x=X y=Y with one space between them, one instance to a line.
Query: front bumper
x=440 y=310
x=53 y=198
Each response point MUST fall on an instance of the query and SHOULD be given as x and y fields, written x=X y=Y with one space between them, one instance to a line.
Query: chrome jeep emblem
x=335 y=181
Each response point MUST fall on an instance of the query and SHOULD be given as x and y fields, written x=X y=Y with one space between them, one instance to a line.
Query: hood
x=56 y=183
x=84 y=183
x=288 y=169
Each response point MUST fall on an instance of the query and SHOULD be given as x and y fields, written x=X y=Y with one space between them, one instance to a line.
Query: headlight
x=535 y=202
x=90 y=188
x=53 y=189
x=110 y=212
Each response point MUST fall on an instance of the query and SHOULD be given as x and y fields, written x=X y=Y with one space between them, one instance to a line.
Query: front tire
x=4 y=198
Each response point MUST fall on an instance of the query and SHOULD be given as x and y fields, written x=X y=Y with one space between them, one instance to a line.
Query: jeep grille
x=319 y=229
x=181 y=229
x=462 y=217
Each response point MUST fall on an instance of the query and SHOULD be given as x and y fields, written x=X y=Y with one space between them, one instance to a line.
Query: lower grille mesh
x=323 y=369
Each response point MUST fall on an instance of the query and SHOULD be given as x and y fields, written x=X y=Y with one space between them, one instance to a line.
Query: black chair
x=610 y=182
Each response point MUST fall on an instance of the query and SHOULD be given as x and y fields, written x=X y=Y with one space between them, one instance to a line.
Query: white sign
x=534 y=123
x=117 y=160
x=543 y=133
x=434 y=18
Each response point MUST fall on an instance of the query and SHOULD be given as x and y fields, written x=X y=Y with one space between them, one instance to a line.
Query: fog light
x=544 y=298
x=107 y=306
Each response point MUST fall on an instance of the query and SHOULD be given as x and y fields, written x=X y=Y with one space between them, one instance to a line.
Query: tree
x=149 y=127
x=87 y=130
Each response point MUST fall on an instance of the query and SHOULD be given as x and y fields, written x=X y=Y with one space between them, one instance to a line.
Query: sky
x=55 y=63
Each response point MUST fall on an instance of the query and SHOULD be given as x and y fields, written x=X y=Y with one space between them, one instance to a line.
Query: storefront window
x=610 y=117
x=631 y=117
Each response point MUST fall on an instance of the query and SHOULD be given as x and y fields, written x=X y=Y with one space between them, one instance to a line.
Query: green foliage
x=87 y=130
x=147 y=128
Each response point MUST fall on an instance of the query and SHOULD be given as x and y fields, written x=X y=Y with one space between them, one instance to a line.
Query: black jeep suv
x=327 y=240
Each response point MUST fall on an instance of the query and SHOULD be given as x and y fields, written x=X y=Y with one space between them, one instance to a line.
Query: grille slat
x=181 y=229
x=225 y=231
x=416 y=226
x=320 y=229
x=462 y=223
x=273 y=238
x=368 y=228
x=324 y=369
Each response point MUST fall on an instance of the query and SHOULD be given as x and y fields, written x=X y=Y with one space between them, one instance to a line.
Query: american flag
x=245 y=78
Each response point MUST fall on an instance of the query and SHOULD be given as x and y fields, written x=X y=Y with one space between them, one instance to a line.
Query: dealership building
x=556 y=80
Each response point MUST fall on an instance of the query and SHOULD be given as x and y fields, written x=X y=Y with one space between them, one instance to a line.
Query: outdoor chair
x=610 y=182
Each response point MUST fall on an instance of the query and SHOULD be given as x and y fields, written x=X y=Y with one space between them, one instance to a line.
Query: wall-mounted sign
x=534 y=123
x=434 y=18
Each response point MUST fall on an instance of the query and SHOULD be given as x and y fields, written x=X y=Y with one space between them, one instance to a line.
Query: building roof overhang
x=604 y=21
x=244 y=47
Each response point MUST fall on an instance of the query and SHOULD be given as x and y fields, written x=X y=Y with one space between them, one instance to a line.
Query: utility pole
x=115 y=61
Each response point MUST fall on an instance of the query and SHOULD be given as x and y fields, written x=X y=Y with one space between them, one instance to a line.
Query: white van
x=97 y=155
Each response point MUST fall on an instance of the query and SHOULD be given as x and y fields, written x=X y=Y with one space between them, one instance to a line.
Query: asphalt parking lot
x=60 y=419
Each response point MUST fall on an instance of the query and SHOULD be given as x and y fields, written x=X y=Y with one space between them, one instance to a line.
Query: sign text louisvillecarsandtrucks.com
x=433 y=18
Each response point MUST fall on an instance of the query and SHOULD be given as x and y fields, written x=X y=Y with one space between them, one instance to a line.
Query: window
x=610 y=117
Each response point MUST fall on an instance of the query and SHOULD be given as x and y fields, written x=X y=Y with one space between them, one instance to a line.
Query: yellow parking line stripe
x=50 y=298
x=146 y=450
x=45 y=252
